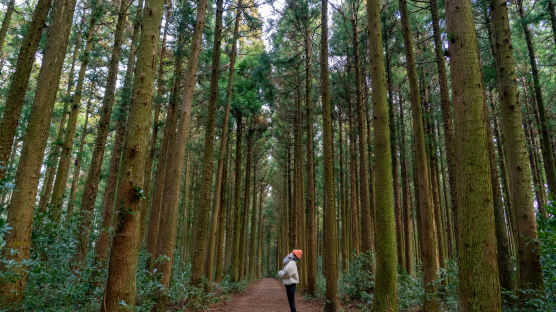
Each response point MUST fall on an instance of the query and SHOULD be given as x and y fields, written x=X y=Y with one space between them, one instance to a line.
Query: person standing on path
x=290 y=276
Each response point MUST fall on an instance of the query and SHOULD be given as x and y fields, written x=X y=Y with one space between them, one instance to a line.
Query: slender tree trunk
x=203 y=222
x=546 y=144
x=244 y=214
x=214 y=76
x=237 y=201
x=330 y=259
x=408 y=229
x=222 y=215
x=311 y=221
x=158 y=100
x=367 y=241
x=58 y=191
x=5 y=24
x=505 y=267
x=78 y=161
x=21 y=208
x=479 y=288
x=425 y=207
x=91 y=184
x=101 y=245
x=252 y=264
x=446 y=110
x=386 y=291
x=174 y=165
x=356 y=233
x=529 y=267
x=552 y=18
x=122 y=267
x=165 y=152
x=20 y=80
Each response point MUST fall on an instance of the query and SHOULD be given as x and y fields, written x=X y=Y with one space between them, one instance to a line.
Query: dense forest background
x=163 y=154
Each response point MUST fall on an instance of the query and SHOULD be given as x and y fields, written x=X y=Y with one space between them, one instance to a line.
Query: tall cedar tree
x=202 y=222
x=425 y=207
x=219 y=187
x=479 y=288
x=21 y=208
x=20 y=80
x=386 y=291
x=528 y=255
x=101 y=245
x=330 y=259
x=174 y=167
x=91 y=184
x=122 y=266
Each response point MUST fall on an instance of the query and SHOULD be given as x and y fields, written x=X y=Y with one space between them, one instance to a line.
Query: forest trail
x=266 y=295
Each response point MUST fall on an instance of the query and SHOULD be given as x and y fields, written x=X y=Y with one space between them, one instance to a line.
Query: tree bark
x=446 y=110
x=21 y=208
x=529 y=267
x=237 y=200
x=122 y=266
x=57 y=199
x=20 y=80
x=386 y=286
x=101 y=245
x=77 y=164
x=427 y=236
x=330 y=258
x=5 y=24
x=546 y=144
x=174 y=167
x=479 y=288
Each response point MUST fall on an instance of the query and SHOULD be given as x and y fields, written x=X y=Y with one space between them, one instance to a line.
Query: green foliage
x=547 y=242
x=359 y=281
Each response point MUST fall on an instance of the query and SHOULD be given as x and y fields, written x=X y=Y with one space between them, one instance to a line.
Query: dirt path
x=266 y=295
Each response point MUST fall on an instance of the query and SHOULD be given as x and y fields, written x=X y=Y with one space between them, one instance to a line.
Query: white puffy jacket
x=289 y=274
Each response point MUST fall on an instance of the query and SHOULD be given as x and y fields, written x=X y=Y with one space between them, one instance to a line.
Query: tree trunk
x=244 y=214
x=505 y=266
x=546 y=144
x=408 y=229
x=215 y=75
x=222 y=215
x=77 y=164
x=237 y=201
x=446 y=110
x=165 y=152
x=122 y=267
x=252 y=264
x=367 y=241
x=529 y=267
x=203 y=222
x=158 y=100
x=425 y=207
x=57 y=199
x=20 y=80
x=5 y=24
x=479 y=288
x=330 y=258
x=21 y=208
x=311 y=221
x=386 y=291
x=174 y=165
x=101 y=245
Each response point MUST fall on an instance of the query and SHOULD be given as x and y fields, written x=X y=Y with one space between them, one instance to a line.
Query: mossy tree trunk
x=122 y=266
x=330 y=258
x=20 y=80
x=101 y=245
x=386 y=283
x=22 y=207
x=519 y=171
x=479 y=288
x=427 y=235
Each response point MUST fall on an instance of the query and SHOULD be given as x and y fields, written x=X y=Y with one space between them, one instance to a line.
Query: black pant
x=290 y=291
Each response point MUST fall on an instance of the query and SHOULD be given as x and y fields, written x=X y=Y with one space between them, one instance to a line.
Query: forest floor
x=266 y=295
